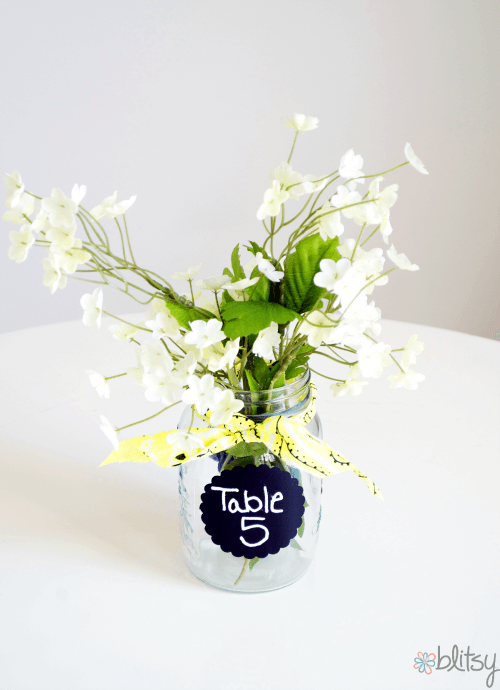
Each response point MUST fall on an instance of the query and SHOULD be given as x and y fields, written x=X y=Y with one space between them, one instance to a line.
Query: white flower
x=273 y=198
x=347 y=247
x=157 y=306
x=186 y=366
x=269 y=271
x=155 y=359
x=99 y=383
x=166 y=389
x=185 y=441
x=287 y=177
x=110 y=209
x=77 y=193
x=266 y=340
x=226 y=405
x=409 y=379
x=190 y=273
x=329 y=224
x=137 y=372
x=385 y=199
x=310 y=184
x=21 y=240
x=41 y=222
x=15 y=188
x=351 y=386
x=122 y=331
x=350 y=284
x=414 y=160
x=300 y=122
x=60 y=208
x=350 y=165
x=318 y=328
x=213 y=283
x=53 y=277
x=165 y=325
x=208 y=303
x=345 y=197
x=410 y=351
x=92 y=308
x=18 y=214
x=330 y=271
x=373 y=358
x=401 y=260
x=70 y=259
x=62 y=238
x=236 y=289
x=109 y=431
x=200 y=393
x=204 y=333
x=222 y=357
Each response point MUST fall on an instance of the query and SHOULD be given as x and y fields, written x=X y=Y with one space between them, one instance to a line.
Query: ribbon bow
x=285 y=437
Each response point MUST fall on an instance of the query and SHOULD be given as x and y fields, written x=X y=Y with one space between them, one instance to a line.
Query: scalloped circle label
x=252 y=511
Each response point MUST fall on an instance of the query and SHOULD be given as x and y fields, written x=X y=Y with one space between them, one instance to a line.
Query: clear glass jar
x=205 y=559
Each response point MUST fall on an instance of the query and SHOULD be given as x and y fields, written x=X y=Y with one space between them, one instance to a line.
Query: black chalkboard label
x=252 y=511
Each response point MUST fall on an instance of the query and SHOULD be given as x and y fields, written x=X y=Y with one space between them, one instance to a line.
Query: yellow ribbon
x=285 y=437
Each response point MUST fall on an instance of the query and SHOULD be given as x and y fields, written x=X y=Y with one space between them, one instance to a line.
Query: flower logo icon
x=424 y=662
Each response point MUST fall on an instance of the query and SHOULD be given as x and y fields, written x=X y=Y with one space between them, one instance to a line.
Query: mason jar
x=205 y=559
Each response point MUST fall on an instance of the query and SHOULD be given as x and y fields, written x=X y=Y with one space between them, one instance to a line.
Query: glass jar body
x=206 y=560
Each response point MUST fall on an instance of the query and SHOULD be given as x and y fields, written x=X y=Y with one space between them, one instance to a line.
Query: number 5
x=245 y=527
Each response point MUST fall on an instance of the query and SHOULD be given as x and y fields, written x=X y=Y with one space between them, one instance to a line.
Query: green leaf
x=295 y=544
x=301 y=294
x=244 y=449
x=245 y=318
x=260 y=291
x=253 y=562
x=227 y=272
x=185 y=315
x=301 y=528
x=261 y=372
x=239 y=273
x=253 y=384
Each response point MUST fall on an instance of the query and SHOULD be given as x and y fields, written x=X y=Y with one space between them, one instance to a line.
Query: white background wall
x=181 y=104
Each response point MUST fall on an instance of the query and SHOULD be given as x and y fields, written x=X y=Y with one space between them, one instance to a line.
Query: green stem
x=140 y=328
x=247 y=560
x=148 y=418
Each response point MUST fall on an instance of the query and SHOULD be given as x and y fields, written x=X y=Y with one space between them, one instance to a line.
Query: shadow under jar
x=205 y=559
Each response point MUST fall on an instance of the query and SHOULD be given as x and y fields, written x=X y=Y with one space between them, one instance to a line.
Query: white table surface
x=94 y=592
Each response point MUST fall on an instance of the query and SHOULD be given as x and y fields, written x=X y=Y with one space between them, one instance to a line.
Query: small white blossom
x=269 y=271
x=265 y=341
x=373 y=358
x=409 y=379
x=310 y=184
x=273 y=198
x=287 y=177
x=60 y=208
x=186 y=366
x=401 y=260
x=92 y=308
x=155 y=359
x=204 y=333
x=414 y=160
x=109 y=431
x=110 y=209
x=386 y=228
x=236 y=289
x=410 y=351
x=208 y=303
x=213 y=283
x=70 y=259
x=15 y=188
x=122 y=331
x=164 y=325
x=53 y=277
x=221 y=357
x=329 y=223
x=99 y=383
x=62 y=238
x=166 y=389
x=200 y=393
x=21 y=240
x=350 y=165
x=330 y=271
x=351 y=386
x=18 y=214
x=41 y=222
x=300 y=122
x=188 y=275
x=345 y=197
x=185 y=441
x=318 y=328
x=225 y=405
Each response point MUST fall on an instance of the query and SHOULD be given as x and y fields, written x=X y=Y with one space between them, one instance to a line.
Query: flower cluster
x=261 y=323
